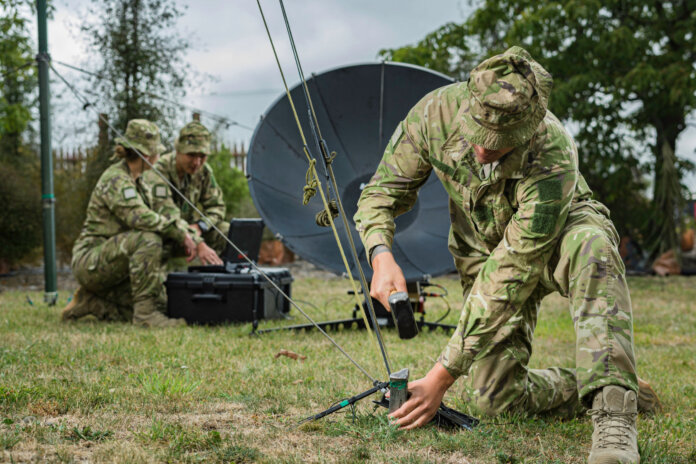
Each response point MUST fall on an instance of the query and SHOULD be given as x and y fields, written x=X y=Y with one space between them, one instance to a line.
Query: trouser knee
x=143 y=243
x=589 y=254
x=497 y=385
x=510 y=400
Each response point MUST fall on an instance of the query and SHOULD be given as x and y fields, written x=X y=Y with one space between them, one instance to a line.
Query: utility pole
x=47 y=197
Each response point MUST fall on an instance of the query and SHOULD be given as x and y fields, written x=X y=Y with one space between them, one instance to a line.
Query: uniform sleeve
x=393 y=189
x=514 y=268
x=127 y=205
x=211 y=199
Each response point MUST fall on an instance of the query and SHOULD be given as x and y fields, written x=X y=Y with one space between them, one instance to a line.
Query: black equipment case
x=235 y=293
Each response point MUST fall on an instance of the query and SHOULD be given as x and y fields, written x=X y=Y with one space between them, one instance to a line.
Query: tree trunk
x=667 y=195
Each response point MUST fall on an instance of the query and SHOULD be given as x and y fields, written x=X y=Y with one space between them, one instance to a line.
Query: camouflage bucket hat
x=141 y=135
x=193 y=138
x=508 y=97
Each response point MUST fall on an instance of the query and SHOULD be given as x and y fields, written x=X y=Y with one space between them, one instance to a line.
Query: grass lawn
x=115 y=393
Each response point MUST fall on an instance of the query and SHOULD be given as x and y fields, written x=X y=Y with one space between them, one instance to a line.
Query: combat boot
x=77 y=307
x=145 y=314
x=648 y=401
x=614 y=440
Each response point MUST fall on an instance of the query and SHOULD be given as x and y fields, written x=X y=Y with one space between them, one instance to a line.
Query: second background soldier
x=187 y=170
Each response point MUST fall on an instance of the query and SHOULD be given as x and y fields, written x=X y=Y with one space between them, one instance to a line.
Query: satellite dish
x=358 y=108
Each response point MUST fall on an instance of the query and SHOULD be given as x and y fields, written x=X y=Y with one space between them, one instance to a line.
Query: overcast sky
x=230 y=44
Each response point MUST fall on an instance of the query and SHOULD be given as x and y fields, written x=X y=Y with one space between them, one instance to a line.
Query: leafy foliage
x=18 y=80
x=624 y=77
x=233 y=183
x=20 y=215
x=142 y=56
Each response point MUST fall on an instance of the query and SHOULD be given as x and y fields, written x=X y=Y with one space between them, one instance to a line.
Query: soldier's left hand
x=426 y=397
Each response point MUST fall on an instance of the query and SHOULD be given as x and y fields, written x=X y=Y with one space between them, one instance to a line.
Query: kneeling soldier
x=187 y=170
x=118 y=257
x=524 y=225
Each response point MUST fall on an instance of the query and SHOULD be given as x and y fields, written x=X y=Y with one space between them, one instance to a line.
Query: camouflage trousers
x=122 y=278
x=587 y=269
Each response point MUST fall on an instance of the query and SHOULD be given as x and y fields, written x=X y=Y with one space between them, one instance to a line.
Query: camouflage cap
x=141 y=135
x=193 y=138
x=508 y=97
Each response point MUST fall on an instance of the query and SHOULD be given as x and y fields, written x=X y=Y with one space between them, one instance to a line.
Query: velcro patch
x=550 y=190
x=449 y=170
x=160 y=191
x=545 y=218
x=397 y=135
x=129 y=193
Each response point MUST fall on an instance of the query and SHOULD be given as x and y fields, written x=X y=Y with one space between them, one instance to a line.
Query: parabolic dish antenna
x=358 y=108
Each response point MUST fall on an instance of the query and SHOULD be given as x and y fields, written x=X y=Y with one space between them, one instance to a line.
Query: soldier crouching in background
x=118 y=257
x=187 y=170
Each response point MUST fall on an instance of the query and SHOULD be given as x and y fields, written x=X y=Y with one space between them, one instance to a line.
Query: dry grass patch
x=116 y=393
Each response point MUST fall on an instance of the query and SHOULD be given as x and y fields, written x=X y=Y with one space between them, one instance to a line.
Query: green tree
x=17 y=79
x=142 y=55
x=141 y=59
x=624 y=76
x=233 y=183
x=20 y=215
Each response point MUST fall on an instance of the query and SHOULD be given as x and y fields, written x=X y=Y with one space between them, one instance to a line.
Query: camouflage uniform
x=521 y=228
x=200 y=188
x=117 y=259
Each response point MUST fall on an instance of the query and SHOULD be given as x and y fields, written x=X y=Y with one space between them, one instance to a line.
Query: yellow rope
x=315 y=182
x=310 y=188
x=322 y=218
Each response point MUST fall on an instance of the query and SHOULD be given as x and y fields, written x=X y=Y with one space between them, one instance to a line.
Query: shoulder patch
x=397 y=135
x=129 y=193
x=160 y=191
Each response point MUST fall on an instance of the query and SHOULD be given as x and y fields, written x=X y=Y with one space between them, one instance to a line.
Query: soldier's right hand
x=189 y=248
x=207 y=255
x=387 y=278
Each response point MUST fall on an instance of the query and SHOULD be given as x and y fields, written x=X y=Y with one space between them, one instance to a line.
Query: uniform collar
x=173 y=173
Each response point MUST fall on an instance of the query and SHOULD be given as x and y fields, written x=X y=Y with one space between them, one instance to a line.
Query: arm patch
x=129 y=193
x=160 y=191
x=550 y=190
x=545 y=218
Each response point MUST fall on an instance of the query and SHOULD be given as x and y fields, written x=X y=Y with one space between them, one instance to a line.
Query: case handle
x=206 y=297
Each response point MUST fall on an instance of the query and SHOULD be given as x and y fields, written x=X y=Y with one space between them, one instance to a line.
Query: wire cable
x=314 y=184
x=216 y=117
x=88 y=105
x=328 y=169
